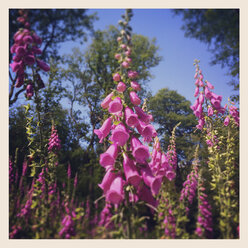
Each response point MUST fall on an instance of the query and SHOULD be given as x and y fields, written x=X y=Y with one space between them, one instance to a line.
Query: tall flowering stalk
x=128 y=176
x=204 y=218
x=219 y=127
x=26 y=49
x=189 y=189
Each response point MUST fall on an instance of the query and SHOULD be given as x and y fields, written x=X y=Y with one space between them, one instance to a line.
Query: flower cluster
x=206 y=95
x=26 y=47
x=190 y=185
x=163 y=164
x=211 y=139
x=54 y=141
x=234 y=113
x=204 y=220
x=170 y=223
x=105 y=216
x=11 y=172
x=68 y=227
x=126 y=159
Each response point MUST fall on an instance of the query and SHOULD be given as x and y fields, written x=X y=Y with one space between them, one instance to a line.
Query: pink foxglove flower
x=147 y=131
x=130 y=171
x=117 y=77
x=125 y=64
x=121 y=87
x=115 y=106
x=226 y=121
x=107 y=159
x=129 y=60
x=209 y=85
x=196 y=91
x=104 y=130
x=133 y=74
x=134 y=98
x=107 y=100
x=135 y=86
x=153 y=182
x=123 y=46
x=107 y=180
x=142 y=115
x=210 y=111
x=131 y=117
x=198 y=111
x=140 y=152
x=119 y=135
x=195 y=105
x=215 y=103
x=29 y=91
x=115 y=193
x=145 y=195
x=201 y=98
x=43 y=65
x=117 y=56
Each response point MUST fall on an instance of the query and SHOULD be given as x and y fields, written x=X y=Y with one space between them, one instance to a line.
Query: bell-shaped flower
x=201 y=123
x=153 y=182
x=208 y=93
x=147 y=131
x=201 y=98
x=210 y=111
x=119 y=135
x=170 y=174
x=209 y=85
x=135 y=86
x=117 y=77
x=115 y=193
x=29 y=91
x=215 y=103
x=107 y=159
x=107 y=100
x=20 y=51
x=198 y=111
x=217 y=97
x=125 y=64
x=140 y=152
x=104 y=130
x=195 y=105
x=107 y=180
x=131 y=117
x=145 y=195
x=43 y=65
x=142 y=115
x=134 y=98
x=115 y=106
x=133 y=74
x=226 y=121
x=29 y=59
x=121 y=87
x=201 y=84
x=196 y=91
x=197 y=82
x=28 y=39
x=130 y=171
x=117 y=56
x=15 y=66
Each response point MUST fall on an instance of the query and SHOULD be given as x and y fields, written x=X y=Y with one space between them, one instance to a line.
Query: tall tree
x=219 y=28
x=168 y=109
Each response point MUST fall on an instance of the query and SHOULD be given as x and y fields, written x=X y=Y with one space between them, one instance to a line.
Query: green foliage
x=169 y=108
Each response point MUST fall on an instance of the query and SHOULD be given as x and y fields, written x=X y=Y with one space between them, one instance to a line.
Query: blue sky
x=176 y=70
